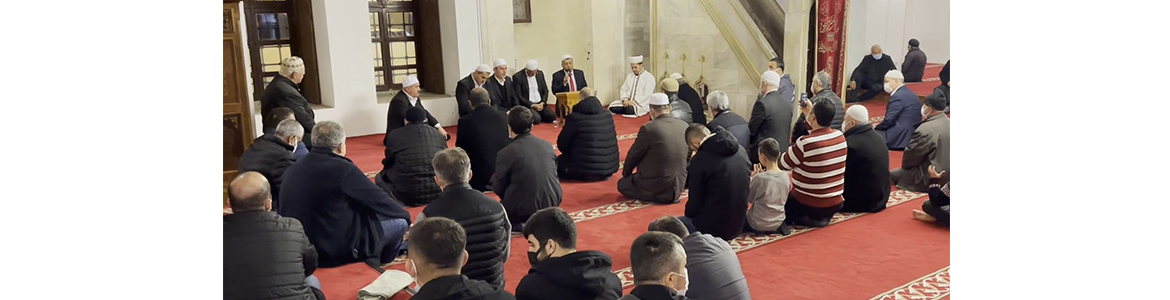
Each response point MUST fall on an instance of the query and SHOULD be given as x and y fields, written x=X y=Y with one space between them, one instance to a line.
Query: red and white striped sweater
x=818 y=164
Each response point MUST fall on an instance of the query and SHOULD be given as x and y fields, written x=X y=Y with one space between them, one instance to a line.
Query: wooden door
x=237 y=113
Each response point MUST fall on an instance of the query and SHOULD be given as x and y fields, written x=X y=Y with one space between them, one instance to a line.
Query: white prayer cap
x=895 y=74
x=290 y=65
x=410 y=81
x=771 y=78
x=566 y=57
x=636 y=59
x=858 y=113
x=499 y=62
x=531 y=65
x=675 y=76
x=659 y=99
x=483 y=68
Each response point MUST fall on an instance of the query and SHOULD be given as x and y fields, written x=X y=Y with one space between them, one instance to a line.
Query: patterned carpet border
x=932 y=286
x=748 y=241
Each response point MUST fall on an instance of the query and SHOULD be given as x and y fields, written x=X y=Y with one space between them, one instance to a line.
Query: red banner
x=831 y=18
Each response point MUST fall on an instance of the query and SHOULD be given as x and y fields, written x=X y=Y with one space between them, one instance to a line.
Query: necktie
x=572 y=83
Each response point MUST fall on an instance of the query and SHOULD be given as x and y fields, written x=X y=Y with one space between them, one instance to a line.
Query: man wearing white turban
x=634 y=99
x=463 y=88
x=499 y=86
x=532 y=92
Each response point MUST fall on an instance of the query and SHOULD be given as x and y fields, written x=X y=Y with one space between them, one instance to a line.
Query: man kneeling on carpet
x=659 y=264
x=482 y=217
x=938 y=207
x=867 y=172
x=346 y=216
x=769 y=192
x=406 y=167
x=526 y=171
x=714 y=266
x=559 y=271
x=437 y=254
x=817 y=162
x=930 y=146
x=718 y=178
x=659 y=154
x=268 y=256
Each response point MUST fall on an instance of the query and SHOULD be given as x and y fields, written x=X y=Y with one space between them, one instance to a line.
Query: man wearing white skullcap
x=403 y=101
x=772 y=116
x=285 y=91
x=500 y=87
x=532 y=92
x=867 y=175
x=659 y=155
x=632 y=102
x=567 y=79
x=477 y=78
x=902 y=113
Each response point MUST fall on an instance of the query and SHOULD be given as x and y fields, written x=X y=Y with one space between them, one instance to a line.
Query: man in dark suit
x=660 y=156
x=526 y=171
x=404 y=100
x=464 y=86
x=727 y=119
x=406 y=168
x=867 y=171
x=285 y=91
x=772 y=115
x=272 y=153
x=532 y=92
x=484 y=131
x=500 y=87
x=902 y=113
x=915 y=63
x=347 y=218
x=868 y=74
x=567 y=79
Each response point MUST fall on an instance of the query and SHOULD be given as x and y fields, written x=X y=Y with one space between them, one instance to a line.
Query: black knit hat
x=913 y=42
x=937 y=103
x=416 y=114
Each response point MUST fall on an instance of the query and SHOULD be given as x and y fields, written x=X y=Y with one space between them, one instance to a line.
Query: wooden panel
x=230 y=77
x=430 y=47
x=237 y=113
x=304 y=45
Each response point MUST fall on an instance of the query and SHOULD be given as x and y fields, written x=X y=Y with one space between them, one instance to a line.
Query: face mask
x=686 y=286
x=923 y=111
x=534 y=257
x=877 y=56
x=889 y=88
x=410 y=269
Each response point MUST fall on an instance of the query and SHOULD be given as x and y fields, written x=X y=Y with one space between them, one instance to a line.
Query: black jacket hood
x=722 y=144
x=585 y=272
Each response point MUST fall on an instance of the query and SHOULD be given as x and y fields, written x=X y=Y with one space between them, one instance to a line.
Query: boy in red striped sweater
x=817 y=161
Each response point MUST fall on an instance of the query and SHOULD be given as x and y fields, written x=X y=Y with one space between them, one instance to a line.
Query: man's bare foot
x=922 y=216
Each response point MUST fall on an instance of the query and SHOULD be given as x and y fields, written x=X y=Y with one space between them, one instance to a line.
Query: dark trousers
x=546 y=115
x=871 y=89
x=393 y=230
x=942 y=213
x=796 y=213
x=622 y=110
x=688 y=223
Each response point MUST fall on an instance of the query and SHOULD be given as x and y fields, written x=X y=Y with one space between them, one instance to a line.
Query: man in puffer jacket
x=588 y=142
x=406 y=169
x=678 y=108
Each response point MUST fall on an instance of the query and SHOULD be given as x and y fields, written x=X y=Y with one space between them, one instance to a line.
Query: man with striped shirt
x=817 y=161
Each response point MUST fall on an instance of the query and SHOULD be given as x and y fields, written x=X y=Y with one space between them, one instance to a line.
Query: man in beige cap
x=532 y=91
x=634 y=98
x=285 y=91
x=660 y=156
x=404 y=100
x=500 y=86
x=463 y=87
x=678 y=108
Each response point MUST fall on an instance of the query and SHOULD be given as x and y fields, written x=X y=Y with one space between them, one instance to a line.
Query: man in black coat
x=659 y=263
x=280 y=114
x=406 y=167
x=464 y=86
x=347 y=217
x=588 y=142
x=404 y=100
x=483 y=218
x=772 y=115
x=483 y=132
x=526 y=171
x=915 y=63
x=500 y=87
x=688 y=94
x=437 y=254
x=532 y=92
x=284 y=91
x=728 y=120
x=558 y=270
x=718 y=178
x=266 y=256
x=271 y=154
x=867 y=171
x=870 y=75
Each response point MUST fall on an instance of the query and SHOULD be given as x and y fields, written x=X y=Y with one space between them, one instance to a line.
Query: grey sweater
x=768 y=194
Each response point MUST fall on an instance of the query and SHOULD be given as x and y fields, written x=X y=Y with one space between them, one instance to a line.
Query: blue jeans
x=313 y=282
x=393 y=230
x=687 y=222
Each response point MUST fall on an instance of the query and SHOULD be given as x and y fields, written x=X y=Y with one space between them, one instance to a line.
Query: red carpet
x=862 y=256
x=929 y=81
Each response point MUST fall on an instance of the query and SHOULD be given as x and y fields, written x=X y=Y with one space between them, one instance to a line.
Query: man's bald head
x=875 y=50
x=479 y=96
x=588 y=92
x=249 y=191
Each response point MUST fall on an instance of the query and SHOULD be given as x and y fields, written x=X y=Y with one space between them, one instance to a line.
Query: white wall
x=892 y=23
x=607 y=58
x=459 y=27
x=929 y=21
x=551 y=35
x=497 y=31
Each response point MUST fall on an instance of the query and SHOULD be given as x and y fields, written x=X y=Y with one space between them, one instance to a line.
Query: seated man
x=346 y=216
x=633 y=100
x=718 y=176
x=272 y=153
x=559 y=271
x=484 y=131
x=265 y=254
x=938 y=208
x=867 y=174
x=482 y=217
x=526 y=171
x=500 y=87
x=944 y=87
x=716 y=267
x=405 y=99
x=588 y=142
x=818 y=164
x=931 y=146
x=437 y=254
x=724 y=117
x=769 y=192
x=678 y=108
x=463 y=88
x=567 y=79
x=901 y=117
x=285 y=91
x=659 y=264
x=688 y=94
x=822 y=89
x=280 y=114
x=406 y=167
x=660 y=156
x=531 y=91
x=868 y=74
x=915 y=63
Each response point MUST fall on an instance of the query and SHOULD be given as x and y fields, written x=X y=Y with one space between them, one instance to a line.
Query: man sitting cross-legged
x=559 y=271
x=867 y=172
x=938 y=208
x=272 y=153
x=588 y=142
x=659 y=264
x=660 y=156
x=346 y=216
x=482 y=133
x=266 y=256
x=482 y=217
x=714 y=268
x=526 y=171
x=718 y=178
x=817 y=162
x=437 y=254
x=930 y=146
x=406 y=167
x=280 y=114
x=769 y=192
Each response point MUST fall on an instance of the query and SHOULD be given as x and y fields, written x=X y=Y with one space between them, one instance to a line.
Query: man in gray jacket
x=930 y=145
x=660 y=155
x=714 y=268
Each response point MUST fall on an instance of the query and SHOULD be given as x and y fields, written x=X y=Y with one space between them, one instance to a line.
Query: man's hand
x=566 y=79
x=444 y=133
x=853 y=85
x=627 y=103
x=805 y=107
x=933 y=173
x=538 y=107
